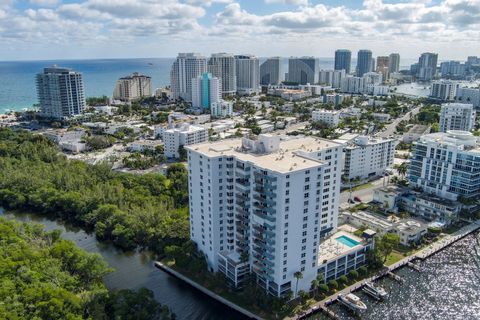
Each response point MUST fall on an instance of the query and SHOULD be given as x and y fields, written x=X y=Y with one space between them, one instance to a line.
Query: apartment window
x=307 y=179
x=287 y=200
x=284 y=247
x=305 y=210
x=286 y=209
x=302 y=269
x=286 y=216
x=285 y=255
x=288 y=184
x=303 y=255
x=284 y=262
x=306 y=195
x=304 y=226
x=287 y=192
x=304 y=233
x=304 y=247
x=305 y=218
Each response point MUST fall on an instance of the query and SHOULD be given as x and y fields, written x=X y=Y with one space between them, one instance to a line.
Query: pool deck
x=422 y=254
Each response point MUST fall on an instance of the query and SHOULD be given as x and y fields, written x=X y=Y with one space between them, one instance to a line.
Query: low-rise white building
x=410 y=230
x=382 y=117
x=368 y=157
x=67 y=140
x=329 y=117
x=144 y=145
x=431 y=208
x=184 y=135
x=457 y=116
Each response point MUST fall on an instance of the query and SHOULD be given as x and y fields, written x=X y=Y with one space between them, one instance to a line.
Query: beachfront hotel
x=266 y=207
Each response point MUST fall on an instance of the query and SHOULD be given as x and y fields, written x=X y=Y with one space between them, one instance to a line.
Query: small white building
x=184 y=135
x=144 y=145
x=382 y=117
x=329 y=117
x=410 y=231
x=70 y=141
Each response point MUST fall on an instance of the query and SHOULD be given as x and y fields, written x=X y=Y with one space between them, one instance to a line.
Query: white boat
x=352 y=302
x=375 y=291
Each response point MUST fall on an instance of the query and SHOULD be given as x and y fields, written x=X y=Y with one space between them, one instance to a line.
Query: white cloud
x=292 y=2
x=45 y=3
x=424 y=23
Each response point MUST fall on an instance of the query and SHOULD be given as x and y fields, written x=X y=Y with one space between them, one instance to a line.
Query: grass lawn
x=363 y=186
x=395 y=256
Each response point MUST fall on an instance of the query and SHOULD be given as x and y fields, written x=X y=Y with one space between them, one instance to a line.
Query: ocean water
x=17 y=78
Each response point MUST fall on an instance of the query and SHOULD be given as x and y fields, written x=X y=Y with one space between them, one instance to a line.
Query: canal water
x=446 y=288
x=134 y=270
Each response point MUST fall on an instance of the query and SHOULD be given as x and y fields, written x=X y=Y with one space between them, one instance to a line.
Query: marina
x=389 y=272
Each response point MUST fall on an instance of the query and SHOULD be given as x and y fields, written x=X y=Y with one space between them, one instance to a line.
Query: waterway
x=134 y=270
x=446 y=288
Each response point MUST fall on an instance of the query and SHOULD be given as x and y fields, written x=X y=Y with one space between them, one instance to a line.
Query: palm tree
x=402 y=169
x=314 y=286
x=297 y=275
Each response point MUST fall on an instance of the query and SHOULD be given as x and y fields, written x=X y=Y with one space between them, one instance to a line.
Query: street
x=390 y=128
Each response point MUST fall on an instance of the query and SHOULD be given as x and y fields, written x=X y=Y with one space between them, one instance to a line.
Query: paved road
x=390 y=128
x=366 y=195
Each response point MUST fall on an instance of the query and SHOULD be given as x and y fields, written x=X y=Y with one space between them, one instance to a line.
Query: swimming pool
x=349 y=242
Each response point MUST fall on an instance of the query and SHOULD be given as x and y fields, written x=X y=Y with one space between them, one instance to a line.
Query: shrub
x=333 y=285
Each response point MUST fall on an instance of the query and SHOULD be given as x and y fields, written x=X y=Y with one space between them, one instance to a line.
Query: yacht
x=352 y=302
x=375 y=291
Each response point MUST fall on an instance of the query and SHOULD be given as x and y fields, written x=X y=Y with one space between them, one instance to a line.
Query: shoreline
x=322 y=306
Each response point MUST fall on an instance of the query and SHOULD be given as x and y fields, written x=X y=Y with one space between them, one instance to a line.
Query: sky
x=89 y=29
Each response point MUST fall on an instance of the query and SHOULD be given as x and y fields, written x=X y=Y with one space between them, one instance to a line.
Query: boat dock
x=413 y=266
x=389 y=271
x=395 y=277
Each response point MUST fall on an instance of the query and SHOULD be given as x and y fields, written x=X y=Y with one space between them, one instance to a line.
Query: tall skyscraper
x=223 y=66
x=263 y=207
x=382 y=66
x=133 y=87
x=60 y=92
x=187 y=67
x=271 y=71
x=364 y=62
x=248 y=74
x=394 y=63
x=303 y=70
x=206 y=90
x=343 y=60
x=427 y=66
